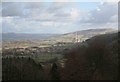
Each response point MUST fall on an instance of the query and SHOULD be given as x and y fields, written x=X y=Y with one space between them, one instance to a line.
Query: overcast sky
x=57 y=17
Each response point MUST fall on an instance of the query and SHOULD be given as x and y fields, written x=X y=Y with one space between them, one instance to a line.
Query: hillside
x=11 y=40
x=21 y=69
x=94 y=59
x=82 y=35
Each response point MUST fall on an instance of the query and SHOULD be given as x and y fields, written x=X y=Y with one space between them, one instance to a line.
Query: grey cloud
x=38 y=17
x=7 y=27
x=62 y=14
x=12 y=9
x=60 y=7
x=22 y=9
x=34 y=5
x=101 y=15
x=29 y=10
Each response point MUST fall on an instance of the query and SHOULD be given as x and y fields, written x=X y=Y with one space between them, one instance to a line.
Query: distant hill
x=23 y=36
x=82 y=35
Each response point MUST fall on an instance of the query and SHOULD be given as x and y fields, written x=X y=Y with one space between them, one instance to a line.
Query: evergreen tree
x=54 y=72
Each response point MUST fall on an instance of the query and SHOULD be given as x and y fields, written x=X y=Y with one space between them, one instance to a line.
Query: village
x=57 y=48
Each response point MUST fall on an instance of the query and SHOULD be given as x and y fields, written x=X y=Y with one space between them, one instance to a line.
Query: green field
x=47 y=57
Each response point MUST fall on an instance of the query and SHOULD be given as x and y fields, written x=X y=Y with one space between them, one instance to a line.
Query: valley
x=58 y=51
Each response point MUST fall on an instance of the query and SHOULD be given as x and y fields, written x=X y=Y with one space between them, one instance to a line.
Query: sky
x=57 y=17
